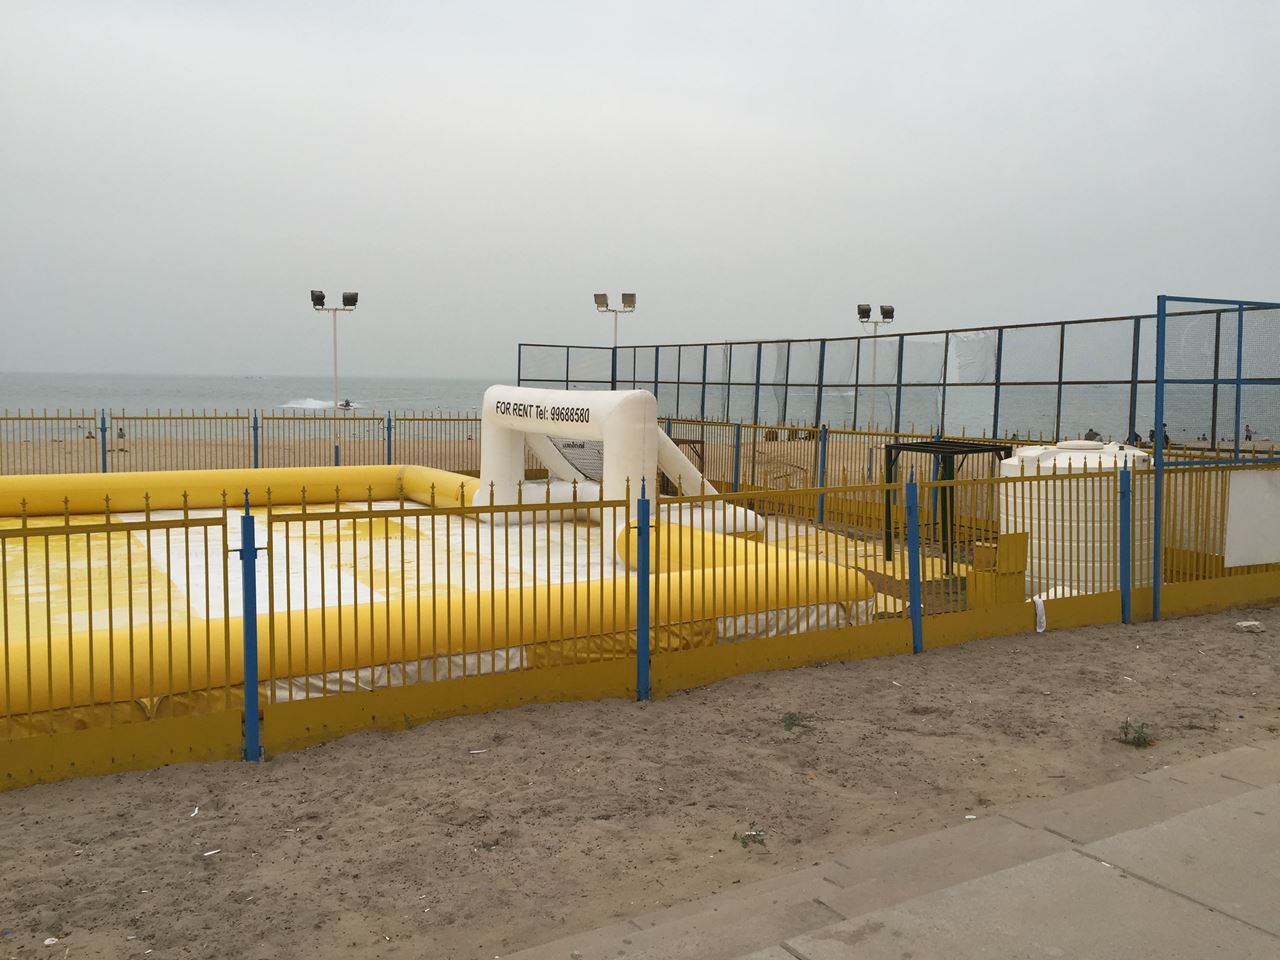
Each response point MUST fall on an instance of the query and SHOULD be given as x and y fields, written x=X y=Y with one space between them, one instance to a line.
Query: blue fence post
x=897 y=392
x=390 y=426
x=1133 y=379
x=642 y=595
x=737 y=456
x=1157 y=506
x=668 y=432
x=995 y=412
x=755 y=409
x=702 y=403
x=249 y=612
x=1125 y=534
x=822 y=472
x=257 y=461
x=1235 y=453
x=822 y=372
x=913 y=565
x=102 y=438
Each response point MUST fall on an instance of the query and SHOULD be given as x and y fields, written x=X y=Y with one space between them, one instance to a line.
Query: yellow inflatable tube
x=677 y=547
x=107 y=666
x=51 y=494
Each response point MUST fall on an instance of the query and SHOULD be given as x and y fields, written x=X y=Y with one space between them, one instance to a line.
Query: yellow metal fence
x=367 y=595
x=376 y=613
x=35 y=442
x=114 y=618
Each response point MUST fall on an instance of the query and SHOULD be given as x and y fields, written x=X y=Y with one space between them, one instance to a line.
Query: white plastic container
x=1073 y=524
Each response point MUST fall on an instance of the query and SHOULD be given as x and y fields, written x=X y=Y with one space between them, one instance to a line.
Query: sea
x=142 y=393
x=1024 y=411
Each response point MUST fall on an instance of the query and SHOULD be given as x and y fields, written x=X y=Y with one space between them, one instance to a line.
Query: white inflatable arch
x=624 y=421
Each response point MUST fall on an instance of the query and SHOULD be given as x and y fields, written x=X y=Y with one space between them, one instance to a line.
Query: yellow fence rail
x=113 y=619
x=368 y=595
x=377 y=609
x=42 y=442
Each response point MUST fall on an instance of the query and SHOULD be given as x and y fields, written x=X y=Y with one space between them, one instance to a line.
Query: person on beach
x=1093 y=435
x=1248 y=432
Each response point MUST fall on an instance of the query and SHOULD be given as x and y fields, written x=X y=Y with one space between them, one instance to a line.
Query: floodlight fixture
x=886 y=316
x=349 y=300
x=628 y=306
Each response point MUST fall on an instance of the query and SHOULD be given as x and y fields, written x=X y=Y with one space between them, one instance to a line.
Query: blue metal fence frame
x=693 y=380
x=1238 y=380
x=249 y=612
x=914 y=599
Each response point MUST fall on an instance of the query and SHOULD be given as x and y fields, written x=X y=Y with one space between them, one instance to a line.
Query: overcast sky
x=175 y=177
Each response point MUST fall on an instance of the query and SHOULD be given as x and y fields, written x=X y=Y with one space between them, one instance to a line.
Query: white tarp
x=1253 y=518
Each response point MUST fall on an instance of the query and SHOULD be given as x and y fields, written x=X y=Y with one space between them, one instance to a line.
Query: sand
x=473 y=837
x=145 y=453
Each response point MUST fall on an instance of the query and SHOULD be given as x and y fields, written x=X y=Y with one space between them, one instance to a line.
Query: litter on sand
x=194 y=812
x=50 y=941
x=210 y=853
x=1250 y=626
x=485 y=750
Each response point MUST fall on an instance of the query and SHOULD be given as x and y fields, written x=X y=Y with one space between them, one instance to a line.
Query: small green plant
x=488 y=844
x=750 y=836
x=1136 y=733
x=797 y=721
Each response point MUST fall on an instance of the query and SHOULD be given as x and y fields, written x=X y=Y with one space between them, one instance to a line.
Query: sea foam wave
x=311 y=403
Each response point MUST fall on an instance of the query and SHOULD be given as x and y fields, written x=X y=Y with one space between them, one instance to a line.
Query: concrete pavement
x=1183 y=862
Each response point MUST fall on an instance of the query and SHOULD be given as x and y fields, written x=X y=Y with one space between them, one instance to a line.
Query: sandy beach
x=473 y=837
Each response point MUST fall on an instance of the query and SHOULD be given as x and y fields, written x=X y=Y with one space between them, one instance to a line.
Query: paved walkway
x=1180 y=863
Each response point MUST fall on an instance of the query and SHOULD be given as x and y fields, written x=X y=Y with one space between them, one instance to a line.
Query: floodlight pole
x=875 y=332
x=602 y=306
x=337 y=460
x=334 y=311
x=613 y=356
